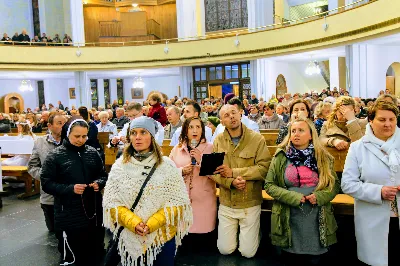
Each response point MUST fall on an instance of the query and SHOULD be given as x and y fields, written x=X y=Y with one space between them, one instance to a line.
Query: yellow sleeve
x=126 y=218
x=158 y=219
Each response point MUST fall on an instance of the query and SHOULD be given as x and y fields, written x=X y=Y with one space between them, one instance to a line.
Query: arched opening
x=281 y=87
x=13 y=103
x=393 y=79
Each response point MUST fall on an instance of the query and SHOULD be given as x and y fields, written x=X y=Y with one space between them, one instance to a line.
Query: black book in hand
x=210 y=162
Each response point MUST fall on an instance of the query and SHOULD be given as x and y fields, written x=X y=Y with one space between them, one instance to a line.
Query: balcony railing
x=283 y=23
x=110 y=28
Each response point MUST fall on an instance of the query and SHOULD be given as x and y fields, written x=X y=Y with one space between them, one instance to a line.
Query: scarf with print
x=305 y=157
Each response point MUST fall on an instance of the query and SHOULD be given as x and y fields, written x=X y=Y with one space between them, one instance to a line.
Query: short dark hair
x=195 y=105
x=236 y=101
x=83 y=111
x=270 y=106
x=381 y=105
x=134 y=106
x=52 y=117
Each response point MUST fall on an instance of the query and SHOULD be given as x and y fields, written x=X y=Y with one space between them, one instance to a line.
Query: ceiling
x=391 y=40
x=318 y=55
x=40 y=75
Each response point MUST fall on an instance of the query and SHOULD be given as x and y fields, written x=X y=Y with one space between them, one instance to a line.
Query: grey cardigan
x=274 y=123
x=42 y=147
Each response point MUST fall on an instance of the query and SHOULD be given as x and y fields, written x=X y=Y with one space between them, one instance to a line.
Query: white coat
x=366 y=171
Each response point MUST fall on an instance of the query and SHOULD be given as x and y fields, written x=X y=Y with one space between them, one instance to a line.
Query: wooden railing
x=153 y=28
x=110 y=28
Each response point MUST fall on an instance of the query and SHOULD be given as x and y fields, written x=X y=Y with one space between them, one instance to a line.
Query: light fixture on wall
x=25 y=86
x=313 y=68
x=138 y=83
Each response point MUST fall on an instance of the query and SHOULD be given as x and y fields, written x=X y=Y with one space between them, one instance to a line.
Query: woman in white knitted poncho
x=163 y=215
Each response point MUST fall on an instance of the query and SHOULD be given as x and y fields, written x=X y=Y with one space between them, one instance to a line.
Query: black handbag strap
x=142 y=188
x=139 y=195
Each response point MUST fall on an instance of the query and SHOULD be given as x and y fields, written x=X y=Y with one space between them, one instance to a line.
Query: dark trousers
x=199 y=243
x=291 y=259
x=167 y=255
x=87 y=245
x=48 y=211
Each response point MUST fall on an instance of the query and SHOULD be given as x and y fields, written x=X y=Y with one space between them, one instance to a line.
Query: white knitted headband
x=73 y=122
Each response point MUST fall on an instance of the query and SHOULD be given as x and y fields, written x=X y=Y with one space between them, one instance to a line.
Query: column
x=262 y=79
x=260 y=13
x=77 y=22
x=356 y=56
x=334 y=72
x=113 y=90
x=186 y=74
x=82 y=89
x=100 y=92
x=190 y=18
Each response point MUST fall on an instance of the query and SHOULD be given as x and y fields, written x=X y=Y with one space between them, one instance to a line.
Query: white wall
x=51 y=15
x=296 y=79
x=56 y=90
x=11 y=86
x=368 y=68
x=16 y=15
x=168 y=85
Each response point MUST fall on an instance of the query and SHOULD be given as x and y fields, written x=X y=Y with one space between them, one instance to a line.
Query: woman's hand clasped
x=310 y=198
x=142 y=229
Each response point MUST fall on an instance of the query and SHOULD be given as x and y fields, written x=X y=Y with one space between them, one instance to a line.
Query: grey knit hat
x=145 y=122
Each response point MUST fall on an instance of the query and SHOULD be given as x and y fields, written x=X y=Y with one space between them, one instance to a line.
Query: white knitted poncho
x=165 y=188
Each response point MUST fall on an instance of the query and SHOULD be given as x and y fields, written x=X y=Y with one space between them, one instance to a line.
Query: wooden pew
x=16 y=134
x=262 y=131
x=166 y=142
x=342 y=203
x=21 y=172
x=104 y=138
x=270 y=138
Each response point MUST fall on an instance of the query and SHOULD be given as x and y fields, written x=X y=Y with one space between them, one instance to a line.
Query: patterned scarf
x=306 y=157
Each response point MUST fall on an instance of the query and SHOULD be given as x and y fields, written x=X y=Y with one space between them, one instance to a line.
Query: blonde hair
x=321 y=106
x=34 y=118
x=129 y=151
x=26 y=129
x=342 y=100
x=323 y=157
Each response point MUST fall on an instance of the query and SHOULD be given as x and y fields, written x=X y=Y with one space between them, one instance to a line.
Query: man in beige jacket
x=240 y=178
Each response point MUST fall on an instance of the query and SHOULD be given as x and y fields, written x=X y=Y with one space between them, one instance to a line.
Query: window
x=245 y=70
x=232 y=72
x=93 y=92
x=106 y=92
x=200 y=74
x=201 y=93
x=225 y=14
x=120 y=91
x=40 y=86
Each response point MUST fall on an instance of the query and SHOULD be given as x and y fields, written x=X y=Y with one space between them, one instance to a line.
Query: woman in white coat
x=372 y=176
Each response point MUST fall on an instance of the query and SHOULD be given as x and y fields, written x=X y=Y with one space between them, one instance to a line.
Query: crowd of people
x=23 y=39
x=152 y=204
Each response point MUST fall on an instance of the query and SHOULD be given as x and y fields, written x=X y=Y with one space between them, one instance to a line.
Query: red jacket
x=157 y=112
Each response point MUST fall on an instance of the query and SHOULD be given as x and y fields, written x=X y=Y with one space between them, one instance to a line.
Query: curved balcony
x=372 y=20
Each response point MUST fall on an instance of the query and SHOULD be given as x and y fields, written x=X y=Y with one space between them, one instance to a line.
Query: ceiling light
x=25 y=86
x=138 y=83
x=135 y=5
x=313 y=68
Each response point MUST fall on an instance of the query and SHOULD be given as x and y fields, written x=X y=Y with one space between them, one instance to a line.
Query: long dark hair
x=300 y=101
x=185 y=128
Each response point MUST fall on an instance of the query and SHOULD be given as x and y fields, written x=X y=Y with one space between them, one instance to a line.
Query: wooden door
x=390 y=84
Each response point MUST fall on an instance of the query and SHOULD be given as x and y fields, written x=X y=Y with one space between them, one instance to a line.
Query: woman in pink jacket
x=187 y=156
